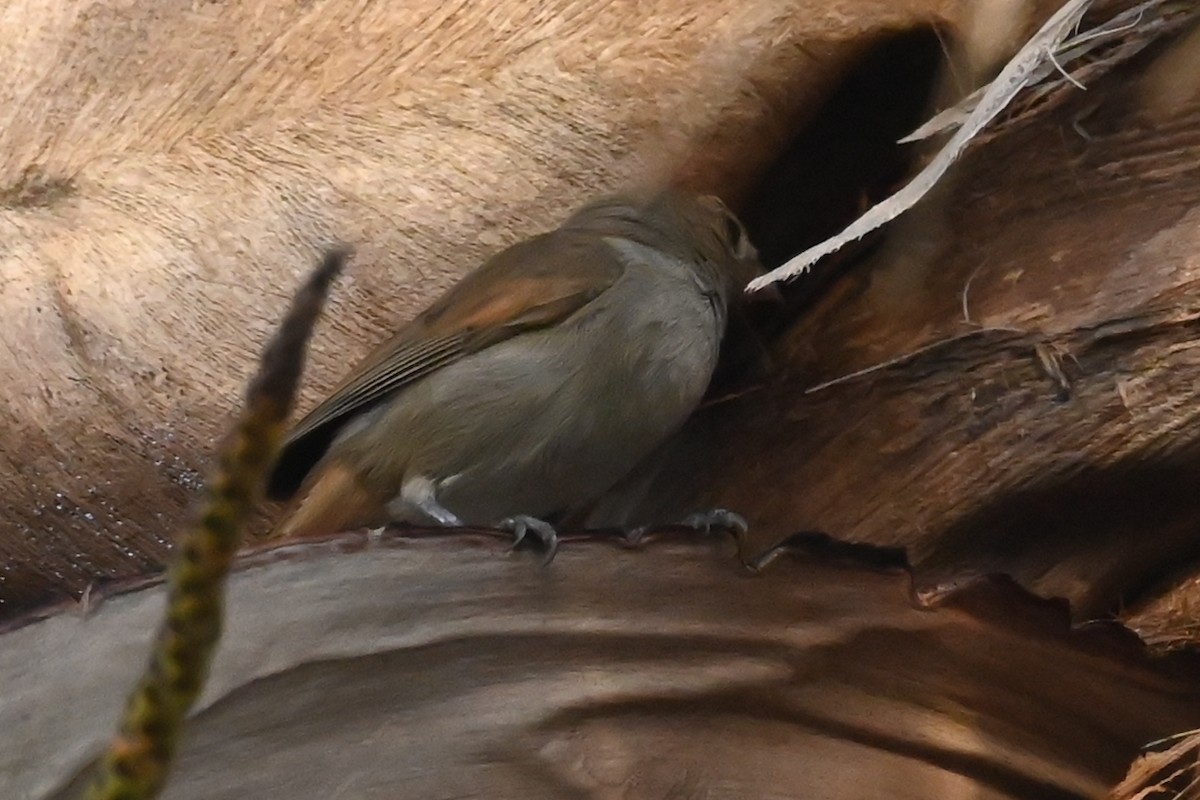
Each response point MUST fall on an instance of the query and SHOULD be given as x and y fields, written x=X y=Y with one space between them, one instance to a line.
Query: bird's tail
x=336 y=501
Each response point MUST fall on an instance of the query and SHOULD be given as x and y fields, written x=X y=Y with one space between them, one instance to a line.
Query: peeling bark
x=1008 y=384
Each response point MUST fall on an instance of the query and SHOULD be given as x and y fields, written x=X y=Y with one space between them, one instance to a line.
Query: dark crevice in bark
x=847 y=157
x=838 y=165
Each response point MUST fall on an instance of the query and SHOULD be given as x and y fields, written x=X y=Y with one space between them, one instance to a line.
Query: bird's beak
x=766 y=295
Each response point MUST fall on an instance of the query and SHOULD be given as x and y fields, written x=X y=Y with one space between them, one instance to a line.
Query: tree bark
x=1009 y=383
x=432 y=666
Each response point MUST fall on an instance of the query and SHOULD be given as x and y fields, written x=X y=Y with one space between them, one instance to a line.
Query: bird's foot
x=418 y=500
x=705 y=521
x=702 y=521
x=521 y=525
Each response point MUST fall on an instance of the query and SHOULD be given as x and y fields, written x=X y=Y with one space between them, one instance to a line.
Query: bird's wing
x=531 y=285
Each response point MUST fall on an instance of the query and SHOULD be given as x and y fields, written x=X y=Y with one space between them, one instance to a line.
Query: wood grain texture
x=1028 y=348
x=432 y=666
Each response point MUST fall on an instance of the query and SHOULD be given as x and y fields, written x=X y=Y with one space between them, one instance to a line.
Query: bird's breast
x=669 y=322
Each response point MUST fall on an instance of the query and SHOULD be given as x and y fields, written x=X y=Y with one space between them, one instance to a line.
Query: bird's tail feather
x=336 y=501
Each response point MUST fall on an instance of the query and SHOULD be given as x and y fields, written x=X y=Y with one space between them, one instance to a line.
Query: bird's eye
x=738 y=240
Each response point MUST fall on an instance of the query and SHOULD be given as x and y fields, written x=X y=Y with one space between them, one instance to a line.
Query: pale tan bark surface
x=168 y=171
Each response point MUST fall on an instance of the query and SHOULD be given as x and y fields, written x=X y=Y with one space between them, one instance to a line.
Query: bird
x=532 y=385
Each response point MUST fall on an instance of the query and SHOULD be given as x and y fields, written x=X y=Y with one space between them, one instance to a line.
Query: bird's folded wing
x=532 y=285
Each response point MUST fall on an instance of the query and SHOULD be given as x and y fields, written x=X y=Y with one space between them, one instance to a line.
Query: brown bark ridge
x=425 y=664
x=1008 y=383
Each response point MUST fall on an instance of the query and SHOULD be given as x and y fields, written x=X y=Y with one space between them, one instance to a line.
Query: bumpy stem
x=136 y=763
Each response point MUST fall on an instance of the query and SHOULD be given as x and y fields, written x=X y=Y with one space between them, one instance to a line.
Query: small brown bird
x=535 y=383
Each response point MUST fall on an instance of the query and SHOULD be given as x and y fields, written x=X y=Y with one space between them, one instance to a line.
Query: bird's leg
x=439 y=513
x=543 y=531
x=704 y=522
x=418 y=493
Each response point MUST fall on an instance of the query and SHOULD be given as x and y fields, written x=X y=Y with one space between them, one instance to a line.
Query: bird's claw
x=519 y=526
x=704 y=522
x=717 y=518
x=633 y=537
